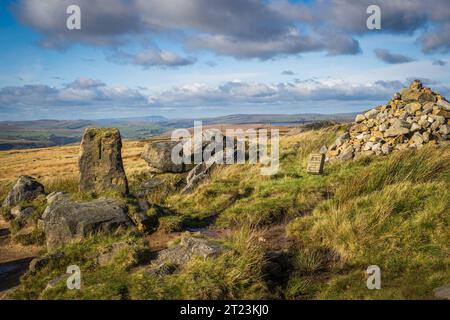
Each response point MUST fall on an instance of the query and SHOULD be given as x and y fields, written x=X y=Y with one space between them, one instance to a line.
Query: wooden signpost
x=315 y=163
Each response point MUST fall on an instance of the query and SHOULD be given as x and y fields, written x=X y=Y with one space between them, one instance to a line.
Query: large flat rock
x=64 y=220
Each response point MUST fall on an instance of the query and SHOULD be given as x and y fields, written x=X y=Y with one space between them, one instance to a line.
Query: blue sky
x=200 y=58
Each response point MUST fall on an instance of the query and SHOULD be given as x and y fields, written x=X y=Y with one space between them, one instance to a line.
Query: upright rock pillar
x=100 y=161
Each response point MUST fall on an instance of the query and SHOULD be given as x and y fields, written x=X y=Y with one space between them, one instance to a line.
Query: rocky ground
x=225 y=232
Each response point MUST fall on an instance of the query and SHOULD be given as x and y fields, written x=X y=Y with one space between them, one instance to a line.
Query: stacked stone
x=412 y=118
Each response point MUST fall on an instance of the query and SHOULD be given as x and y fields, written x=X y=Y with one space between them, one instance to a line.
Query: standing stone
x=100 y=162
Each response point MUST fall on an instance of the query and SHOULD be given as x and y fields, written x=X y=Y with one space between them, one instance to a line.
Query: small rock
x=444 y=104
x=360 y=118
x=393 y=132
x=188 y=248
x=368 y=146
x=323 y=150
x=417 y=139
x=444 y=129
x=371 y=114
x=442 y=292
x=413 y=107
x=383 y=127
x=376 y=147
x=25 y=189
x=19 y=213
x=398 y=124
x=415 y=127
x=386 y=148
x=347 y=153
x=40 y=263
x=345 y=136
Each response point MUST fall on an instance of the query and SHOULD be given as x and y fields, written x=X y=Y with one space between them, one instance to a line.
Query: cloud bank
x=239 y=28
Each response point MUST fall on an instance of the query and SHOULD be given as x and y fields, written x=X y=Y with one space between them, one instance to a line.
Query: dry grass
x=55 y=163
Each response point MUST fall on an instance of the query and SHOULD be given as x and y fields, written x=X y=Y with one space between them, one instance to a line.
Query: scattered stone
x=444 y=129
x=323 y=150
x=383 y=127
x=394 y=132
x=21 y=213
x=347 y=153
x=442 y=292
x=360 y=118
x=197 y=175
x=413 y=107
x=371 y=114
x=158 y=156
x=399 y=124
x=25 y=189
x=376 y=148
x=65 y=219
x=56 y=196
x=181 y=253
x=417 y=139
x=444 y=104
x=386 y=148
x=40 y=263
x=415 y=127
x=100 y=162
x=140 y=217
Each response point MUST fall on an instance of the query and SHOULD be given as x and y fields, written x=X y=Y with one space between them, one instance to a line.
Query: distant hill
x=48 y=133
x=280 y=118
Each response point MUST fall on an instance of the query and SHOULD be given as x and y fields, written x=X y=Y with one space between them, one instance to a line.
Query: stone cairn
x=100 y=162
x=412 y=118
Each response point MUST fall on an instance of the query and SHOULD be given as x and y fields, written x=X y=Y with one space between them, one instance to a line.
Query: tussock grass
x=394 y=214
x=235 y=274
x=392 y=211
x=241 y=195
x=67 y=184
x=104 y=282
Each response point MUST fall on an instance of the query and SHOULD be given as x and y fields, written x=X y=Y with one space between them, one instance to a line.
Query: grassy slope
x=390 y=211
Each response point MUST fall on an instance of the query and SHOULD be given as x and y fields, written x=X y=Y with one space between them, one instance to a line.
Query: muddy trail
x=14 y=259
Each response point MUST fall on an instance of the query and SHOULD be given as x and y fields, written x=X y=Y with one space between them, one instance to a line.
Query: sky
x=204 y=58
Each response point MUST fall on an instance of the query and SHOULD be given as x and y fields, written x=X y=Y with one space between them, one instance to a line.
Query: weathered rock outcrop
x=196 y=176
x=181 y=253
x=64 y=219
x=25 y=189
x=412 y=118
x=158 y=155
x=100 y=162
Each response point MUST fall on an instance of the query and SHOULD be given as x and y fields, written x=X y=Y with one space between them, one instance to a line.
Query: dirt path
x=14 y=259
x=272 y=238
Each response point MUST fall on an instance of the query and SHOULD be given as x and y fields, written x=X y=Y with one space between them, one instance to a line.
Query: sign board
x=316 y=163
